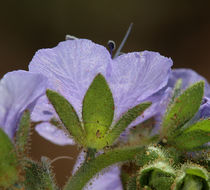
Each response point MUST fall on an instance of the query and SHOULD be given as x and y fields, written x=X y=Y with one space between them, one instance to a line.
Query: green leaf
x=23 y=135
x=67 y=115
x=8 y=161
x=91 y=168
x=194 y=136
x=98 y=109
x=125 y=120
x=38 y=176
x=183 y=109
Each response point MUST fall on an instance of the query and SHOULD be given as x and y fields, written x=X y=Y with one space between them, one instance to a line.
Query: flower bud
x=151 y=154
x=192 y=177
x=159 y=176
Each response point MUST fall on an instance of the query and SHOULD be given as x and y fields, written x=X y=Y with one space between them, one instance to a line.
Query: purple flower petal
x=159 y=101
x=19 y=90
x=204 y=111
x=137 y=76
x=53 y=134
x=188 y=77
x=70 y=68
x=72 y=65
x=43 y=110
x=108 y=178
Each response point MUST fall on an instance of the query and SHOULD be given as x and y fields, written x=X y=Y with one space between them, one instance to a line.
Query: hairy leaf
x=194 y=136
x=183 y=109
x=67 y=115
x=8 y=161
x=125 y=120
x=98 y=109
x=23 y=135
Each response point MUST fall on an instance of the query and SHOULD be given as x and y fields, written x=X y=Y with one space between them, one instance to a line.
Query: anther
x=111 y=45
x=204 y=100
x=70 y=37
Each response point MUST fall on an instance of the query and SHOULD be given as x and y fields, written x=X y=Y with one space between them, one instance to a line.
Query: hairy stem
x=89 y=169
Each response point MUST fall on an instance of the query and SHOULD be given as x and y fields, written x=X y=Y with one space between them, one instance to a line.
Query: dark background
x=179 y=29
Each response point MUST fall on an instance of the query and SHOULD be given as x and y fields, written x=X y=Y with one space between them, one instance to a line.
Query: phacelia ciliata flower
x=71 y=67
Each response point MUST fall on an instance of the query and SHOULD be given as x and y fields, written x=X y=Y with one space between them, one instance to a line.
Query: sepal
x=23 y=135
x=38 y=175
x=67 y=115
x=182 y=110
x=192 y=177
x=176 y=91
x=97 y=110
x=194 y=136
x=125 y=121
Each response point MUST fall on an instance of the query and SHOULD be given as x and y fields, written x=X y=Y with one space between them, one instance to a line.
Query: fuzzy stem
x=89 y=169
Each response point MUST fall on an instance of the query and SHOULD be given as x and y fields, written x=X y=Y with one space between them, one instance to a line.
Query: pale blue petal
x=19 y=90
x=159 y=101
x=70 y=67
x=204 y=111
x=108 y=178
x=137 y=76
x=188 y=77
x=53 y=134
x=43 y=110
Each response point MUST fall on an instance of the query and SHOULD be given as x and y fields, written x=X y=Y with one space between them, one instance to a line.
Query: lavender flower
x=72 y=65
x=19 y=90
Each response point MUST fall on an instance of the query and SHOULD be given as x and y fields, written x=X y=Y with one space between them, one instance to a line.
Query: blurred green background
x=179 y=29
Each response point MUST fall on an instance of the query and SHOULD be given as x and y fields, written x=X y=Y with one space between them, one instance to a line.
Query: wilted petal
x=108 y=178
x=19 y=90
x=188 y=77
x=71 y=67
x=137 y=76
x=53 y=134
